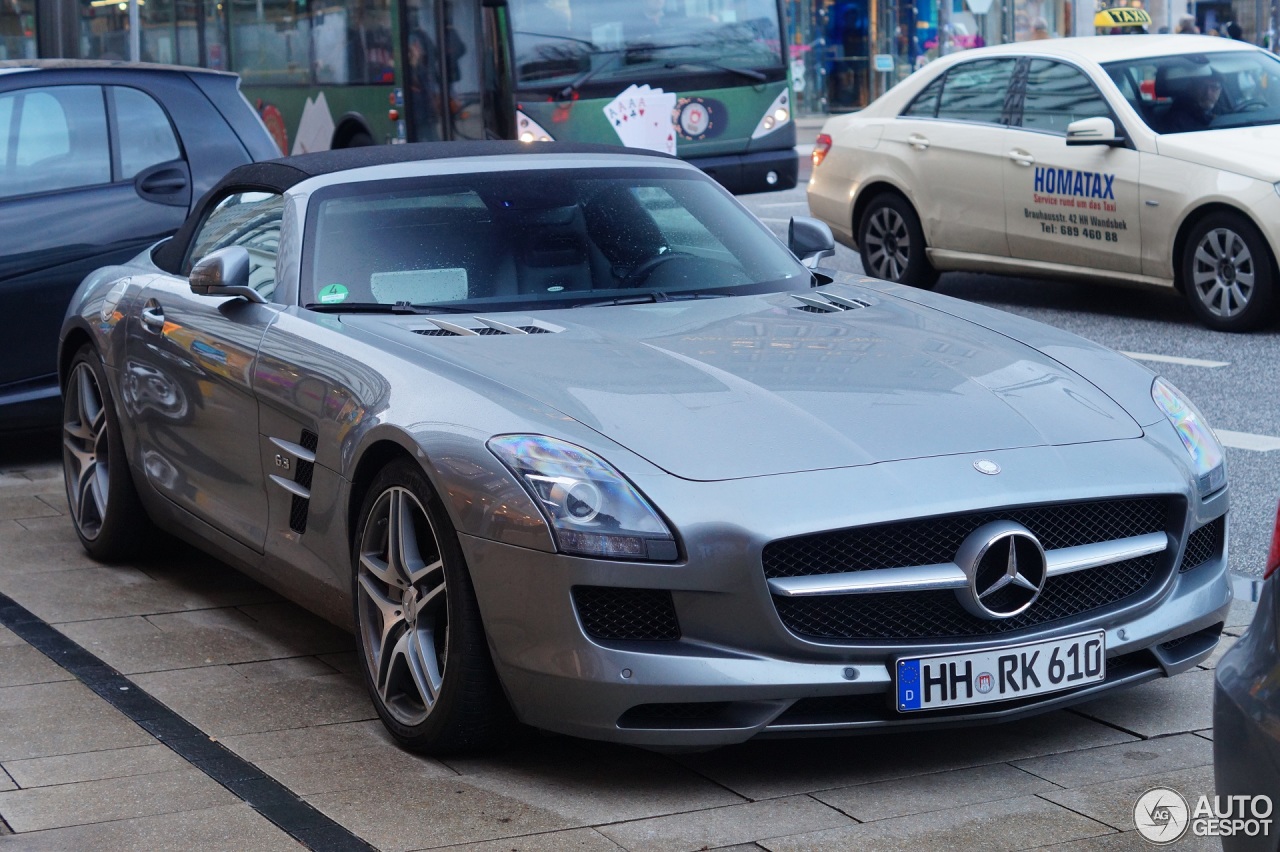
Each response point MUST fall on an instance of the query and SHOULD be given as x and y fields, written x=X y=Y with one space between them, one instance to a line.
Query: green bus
x=703 y=79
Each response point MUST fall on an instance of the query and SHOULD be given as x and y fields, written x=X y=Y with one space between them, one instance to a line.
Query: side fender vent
x=828 y=303
x=299 y=505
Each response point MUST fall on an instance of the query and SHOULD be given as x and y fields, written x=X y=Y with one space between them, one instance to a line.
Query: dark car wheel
x=1228 y=273
x=106 y=511
x=420 y=639
x=891 y=243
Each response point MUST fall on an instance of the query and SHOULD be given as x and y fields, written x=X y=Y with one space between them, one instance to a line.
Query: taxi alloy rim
x=403 y=606
x=888 y=244
x=1222 y=272
x=86 y=451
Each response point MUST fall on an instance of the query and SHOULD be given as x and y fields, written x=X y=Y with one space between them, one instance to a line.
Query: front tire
x=1228 y=273
x=891 y=243
x=419 y=636
x=106 y=511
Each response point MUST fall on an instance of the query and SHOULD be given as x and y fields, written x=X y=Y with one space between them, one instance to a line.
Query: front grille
x=933 y=541
x=938 y=614
x=1204 y=544
x=613 y=613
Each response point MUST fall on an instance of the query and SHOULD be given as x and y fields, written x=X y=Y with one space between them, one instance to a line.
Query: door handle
x=915 y=140
x=153 y=317
x=1021 y=157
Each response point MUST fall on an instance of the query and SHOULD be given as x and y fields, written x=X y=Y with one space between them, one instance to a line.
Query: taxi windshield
x=1201 y=91
x=527 y=240
x=562 y=42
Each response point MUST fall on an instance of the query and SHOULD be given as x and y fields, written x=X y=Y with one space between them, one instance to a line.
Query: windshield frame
x=750 y=231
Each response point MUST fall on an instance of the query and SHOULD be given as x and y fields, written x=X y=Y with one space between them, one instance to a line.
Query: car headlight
x=1197 y=437
x=591 y=508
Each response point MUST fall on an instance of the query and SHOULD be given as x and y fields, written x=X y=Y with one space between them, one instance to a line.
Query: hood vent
x=444 y=328
x=828 y=303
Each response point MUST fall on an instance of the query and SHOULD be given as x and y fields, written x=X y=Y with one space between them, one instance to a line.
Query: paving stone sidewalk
x=279 y=688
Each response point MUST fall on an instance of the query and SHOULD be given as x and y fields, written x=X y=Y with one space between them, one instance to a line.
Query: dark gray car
x=1246 y=714
x=99 y=160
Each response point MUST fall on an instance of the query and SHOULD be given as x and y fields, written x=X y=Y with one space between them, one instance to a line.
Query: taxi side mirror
x=1093 y=131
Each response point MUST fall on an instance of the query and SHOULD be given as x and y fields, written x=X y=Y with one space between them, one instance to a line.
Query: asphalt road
x=1241 y=395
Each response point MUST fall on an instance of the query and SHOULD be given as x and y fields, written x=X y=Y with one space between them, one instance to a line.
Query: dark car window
x=249 y=219
x=146 y=136
x=56 y=139
x=925 y=104
x=1058 y=94
x=977 y=91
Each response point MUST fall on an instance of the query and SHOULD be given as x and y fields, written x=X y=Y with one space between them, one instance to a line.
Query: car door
x=948 y=140
x=187 y=376
x=1074 y=205
x=89 y=176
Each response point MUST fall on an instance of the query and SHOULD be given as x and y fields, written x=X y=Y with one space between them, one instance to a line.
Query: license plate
x=1018 y=671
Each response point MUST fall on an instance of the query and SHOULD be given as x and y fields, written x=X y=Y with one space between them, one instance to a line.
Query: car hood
x=1247 y=151
x=752 y=386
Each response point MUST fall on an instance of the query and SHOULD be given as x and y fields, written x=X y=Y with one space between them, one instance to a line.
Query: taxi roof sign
x=1122 y=17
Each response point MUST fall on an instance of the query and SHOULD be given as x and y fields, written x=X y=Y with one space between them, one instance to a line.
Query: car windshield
x=558 y=43
x=522 y=240
x=1202 y=91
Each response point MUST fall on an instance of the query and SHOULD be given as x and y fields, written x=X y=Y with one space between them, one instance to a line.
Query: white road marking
x=1246 y=441
x=785 y=204
x=1174 y=359
x=778 y=221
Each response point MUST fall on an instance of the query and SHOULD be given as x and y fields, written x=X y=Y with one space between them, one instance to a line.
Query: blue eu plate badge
x=908 y=684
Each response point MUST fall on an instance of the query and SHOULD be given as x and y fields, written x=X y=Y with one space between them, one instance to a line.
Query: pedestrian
x=1040 y=29
x=1187 y=24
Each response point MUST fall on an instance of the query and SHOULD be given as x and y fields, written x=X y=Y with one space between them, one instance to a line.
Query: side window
x=146 y=136
x=926 y=103
x=977 y=91
x=56 y=138
x=249 y=219
x=1058 y=94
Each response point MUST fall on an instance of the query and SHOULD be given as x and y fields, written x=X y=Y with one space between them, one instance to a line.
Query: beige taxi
x=1150 y=159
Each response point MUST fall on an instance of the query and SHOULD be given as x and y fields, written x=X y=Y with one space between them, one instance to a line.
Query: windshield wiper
x=749 y=73
x=649 y=297
x=571 y=89
x=383 y=308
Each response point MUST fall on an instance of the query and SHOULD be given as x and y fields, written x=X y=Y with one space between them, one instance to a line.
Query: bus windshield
x=566 y=41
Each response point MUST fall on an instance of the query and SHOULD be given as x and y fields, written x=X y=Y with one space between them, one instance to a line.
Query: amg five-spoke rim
x=888 y=244
x=403 y=606
x=86 y=451
x=1222 y=272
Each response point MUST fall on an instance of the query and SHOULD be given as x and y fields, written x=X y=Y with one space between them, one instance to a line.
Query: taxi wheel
x=891 y=243
x=105 y=509
x=1228 y=273
x=419 y=636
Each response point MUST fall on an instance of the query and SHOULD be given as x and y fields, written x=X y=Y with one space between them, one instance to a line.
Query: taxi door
x=1074 y=205
x=948 y=145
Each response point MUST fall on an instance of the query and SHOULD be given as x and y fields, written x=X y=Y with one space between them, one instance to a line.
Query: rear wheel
x=420 y=639
x=891 y=243
x=106 y=511
x=1228 y=273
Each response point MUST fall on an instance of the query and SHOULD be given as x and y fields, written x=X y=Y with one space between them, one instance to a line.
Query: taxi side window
x=249 y=219
x=1058 y=94
x=926 y=103
x=978 y=91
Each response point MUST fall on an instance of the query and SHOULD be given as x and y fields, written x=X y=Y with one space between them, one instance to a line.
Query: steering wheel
x=1251 y=104
x=645 y=268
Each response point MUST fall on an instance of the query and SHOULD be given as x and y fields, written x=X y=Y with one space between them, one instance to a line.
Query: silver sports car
x=570 y=439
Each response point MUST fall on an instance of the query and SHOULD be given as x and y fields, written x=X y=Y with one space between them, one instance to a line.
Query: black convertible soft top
x=279 y=175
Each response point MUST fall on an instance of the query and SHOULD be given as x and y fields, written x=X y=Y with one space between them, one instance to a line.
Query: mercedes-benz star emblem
x=1006 y=569
x=986 y=466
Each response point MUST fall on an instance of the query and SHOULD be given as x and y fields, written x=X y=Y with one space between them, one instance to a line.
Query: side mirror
x=224 y=272
x=1093 y=131
x=810 y=240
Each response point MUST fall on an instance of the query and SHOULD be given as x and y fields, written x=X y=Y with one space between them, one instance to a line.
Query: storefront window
x=17 y=29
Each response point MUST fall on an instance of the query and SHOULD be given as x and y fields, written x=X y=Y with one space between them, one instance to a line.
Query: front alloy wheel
x=1228 y=273
x=418 y=630
x=891 y=243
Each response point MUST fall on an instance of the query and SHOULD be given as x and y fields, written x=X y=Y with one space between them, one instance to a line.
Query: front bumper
x=736 y=672
x=744 y=173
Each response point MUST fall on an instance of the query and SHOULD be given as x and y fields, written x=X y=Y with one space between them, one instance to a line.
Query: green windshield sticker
x=333 y=294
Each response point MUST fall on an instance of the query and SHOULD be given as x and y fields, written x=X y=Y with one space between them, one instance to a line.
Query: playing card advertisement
x=641 y=116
